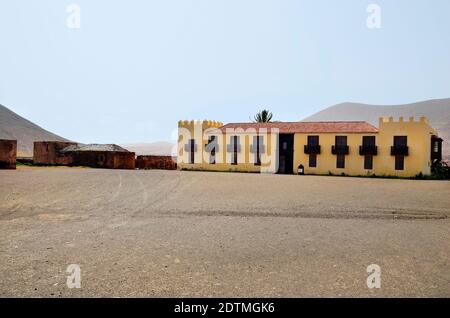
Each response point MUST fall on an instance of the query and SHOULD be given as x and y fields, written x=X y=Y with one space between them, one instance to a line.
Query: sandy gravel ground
x=171 y=233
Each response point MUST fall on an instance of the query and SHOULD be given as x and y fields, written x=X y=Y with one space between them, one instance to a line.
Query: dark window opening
x=191 y=151
x=436 y=148
x=341 y=140
x=368 y=146
x=258 y=144
x=400 y=141
x=368 y=141
x=312 y=146
x=235 y=143
x=340 y=161
x=212 y=157
x=399 y=162
x=340 y=146
x=368 y=162
x=313 y=140
x=400 y=147
x=312 y=160
x=211 y=147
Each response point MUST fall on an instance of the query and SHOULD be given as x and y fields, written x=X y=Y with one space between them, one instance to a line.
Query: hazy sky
x=134 y=68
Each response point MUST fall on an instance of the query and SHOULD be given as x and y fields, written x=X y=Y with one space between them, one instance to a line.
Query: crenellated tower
x=192 y=138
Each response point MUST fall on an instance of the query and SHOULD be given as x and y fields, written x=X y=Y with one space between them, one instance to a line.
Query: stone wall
x=8 y=154
x=103 y=159
x=48 y=153
x=156 y=162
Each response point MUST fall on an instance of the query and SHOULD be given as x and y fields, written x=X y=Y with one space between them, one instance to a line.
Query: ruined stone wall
x=103 y=159
x=124 y=160
x=156 y=162
x=48 y=153
x=8 y=154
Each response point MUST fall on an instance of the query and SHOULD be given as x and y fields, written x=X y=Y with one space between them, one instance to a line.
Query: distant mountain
x=437 y=111
x=162 y=148
x=13 y=126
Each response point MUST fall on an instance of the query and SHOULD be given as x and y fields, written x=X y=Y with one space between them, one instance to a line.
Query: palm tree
x=264 y=116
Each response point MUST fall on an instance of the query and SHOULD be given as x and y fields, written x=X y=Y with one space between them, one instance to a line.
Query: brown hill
x=13 y=126
x=437 y=111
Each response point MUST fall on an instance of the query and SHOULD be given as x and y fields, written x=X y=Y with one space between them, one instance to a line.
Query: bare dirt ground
x=171 y=233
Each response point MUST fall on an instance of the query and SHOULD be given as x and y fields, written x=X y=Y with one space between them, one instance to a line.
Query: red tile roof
x=308 y=127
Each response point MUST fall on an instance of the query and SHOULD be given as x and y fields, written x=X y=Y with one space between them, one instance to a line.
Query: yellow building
x=403 y=148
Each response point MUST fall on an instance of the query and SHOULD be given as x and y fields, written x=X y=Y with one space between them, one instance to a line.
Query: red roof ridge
x=333 y=121
x=300 y=121
x=357 y=126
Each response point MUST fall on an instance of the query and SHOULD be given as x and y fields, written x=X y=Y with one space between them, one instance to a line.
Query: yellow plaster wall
x=419 y=134
x=326 y=161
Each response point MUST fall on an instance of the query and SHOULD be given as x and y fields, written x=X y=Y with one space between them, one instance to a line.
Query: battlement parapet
x=204 y=123
x=401 y=119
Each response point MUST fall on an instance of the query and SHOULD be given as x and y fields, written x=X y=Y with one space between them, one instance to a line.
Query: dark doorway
x=340 y=161
x=286 y=154
x=400 y=143
x=340 y=145
x=368 y=142
x=399 y=162
x=368 y=162
x=313 y=160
